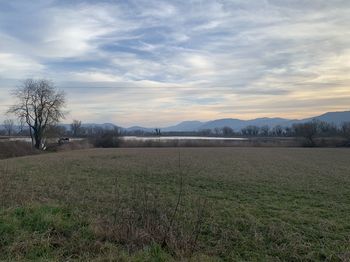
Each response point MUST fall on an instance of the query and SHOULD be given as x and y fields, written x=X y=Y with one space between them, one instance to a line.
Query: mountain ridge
x=336 y=118
x=236 y=124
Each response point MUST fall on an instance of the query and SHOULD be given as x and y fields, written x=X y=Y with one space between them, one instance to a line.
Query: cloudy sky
x=155 y=63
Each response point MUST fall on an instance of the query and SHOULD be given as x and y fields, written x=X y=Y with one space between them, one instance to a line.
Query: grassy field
x=160 y=204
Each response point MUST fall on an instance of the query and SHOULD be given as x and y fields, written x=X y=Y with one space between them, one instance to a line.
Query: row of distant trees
x=8 y=127
x=308 y=130
x=11 y=128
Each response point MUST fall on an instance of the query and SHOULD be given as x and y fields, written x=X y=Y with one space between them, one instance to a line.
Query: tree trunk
x=37 y=144
x=31 y=135
x=37 y=139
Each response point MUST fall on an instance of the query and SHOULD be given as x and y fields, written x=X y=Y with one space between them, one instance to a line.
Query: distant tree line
x=309 y=130
x=306 y=129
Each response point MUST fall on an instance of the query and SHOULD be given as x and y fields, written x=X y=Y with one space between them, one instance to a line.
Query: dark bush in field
x=108 y=139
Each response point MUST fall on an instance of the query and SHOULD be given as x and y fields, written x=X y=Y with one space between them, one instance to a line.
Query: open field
x=160 y=204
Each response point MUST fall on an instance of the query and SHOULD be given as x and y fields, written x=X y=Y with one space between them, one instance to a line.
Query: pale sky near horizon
x=156 y=63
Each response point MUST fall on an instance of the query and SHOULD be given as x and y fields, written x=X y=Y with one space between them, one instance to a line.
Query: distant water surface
x=144 y=138
x=157 y=138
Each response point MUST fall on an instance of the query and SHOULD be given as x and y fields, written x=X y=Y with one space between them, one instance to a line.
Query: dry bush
x=140 y=226
x=74 y=145
x=106 y=140
x=251 y=142
x=330 y=142
x=16 y=148
x=144 y=217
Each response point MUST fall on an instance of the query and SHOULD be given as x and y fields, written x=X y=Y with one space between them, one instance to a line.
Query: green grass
x=240 y=204
x=44 y=232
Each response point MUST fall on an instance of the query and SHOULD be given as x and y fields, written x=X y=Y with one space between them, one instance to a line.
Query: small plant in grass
x=148 y=220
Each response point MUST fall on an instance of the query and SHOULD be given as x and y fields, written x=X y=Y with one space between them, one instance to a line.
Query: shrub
x=107 y=139
x=16 y=148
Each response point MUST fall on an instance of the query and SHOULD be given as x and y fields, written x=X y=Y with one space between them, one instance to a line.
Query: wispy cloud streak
x=158 y=62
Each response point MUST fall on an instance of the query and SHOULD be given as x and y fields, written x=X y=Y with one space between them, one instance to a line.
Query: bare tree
x=8 y=125
x=217 y=131
x=21 y=127
x=288 y=131
x=250 y=131
x=54 y=131
x=307 y=130
x=227 y=131
x=327 y=129
x=205 y=132
x=158 y=133
x=39 y=105
x=264 y=130
x=277 y=130
x=75 y=127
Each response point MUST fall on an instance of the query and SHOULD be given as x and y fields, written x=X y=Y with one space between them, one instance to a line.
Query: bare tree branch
x=39 y=104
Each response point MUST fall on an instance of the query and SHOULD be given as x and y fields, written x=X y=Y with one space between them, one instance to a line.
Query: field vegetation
x=10 y=149
x=163 y=204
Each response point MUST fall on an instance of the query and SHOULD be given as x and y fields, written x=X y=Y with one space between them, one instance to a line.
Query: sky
x=156 y=63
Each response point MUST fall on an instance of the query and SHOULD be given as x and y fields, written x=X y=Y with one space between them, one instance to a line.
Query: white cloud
x=13 y=65
x=201 y=59
x=95 y=77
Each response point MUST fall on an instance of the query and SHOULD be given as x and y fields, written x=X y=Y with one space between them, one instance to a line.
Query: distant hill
x=237 y=124
x=108 y=126
x=336 y=118
x=139 y=128
x=184 y=126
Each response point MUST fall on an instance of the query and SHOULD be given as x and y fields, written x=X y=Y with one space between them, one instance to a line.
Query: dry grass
x=249 y=142
x=16 y=148
x=288 y=204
